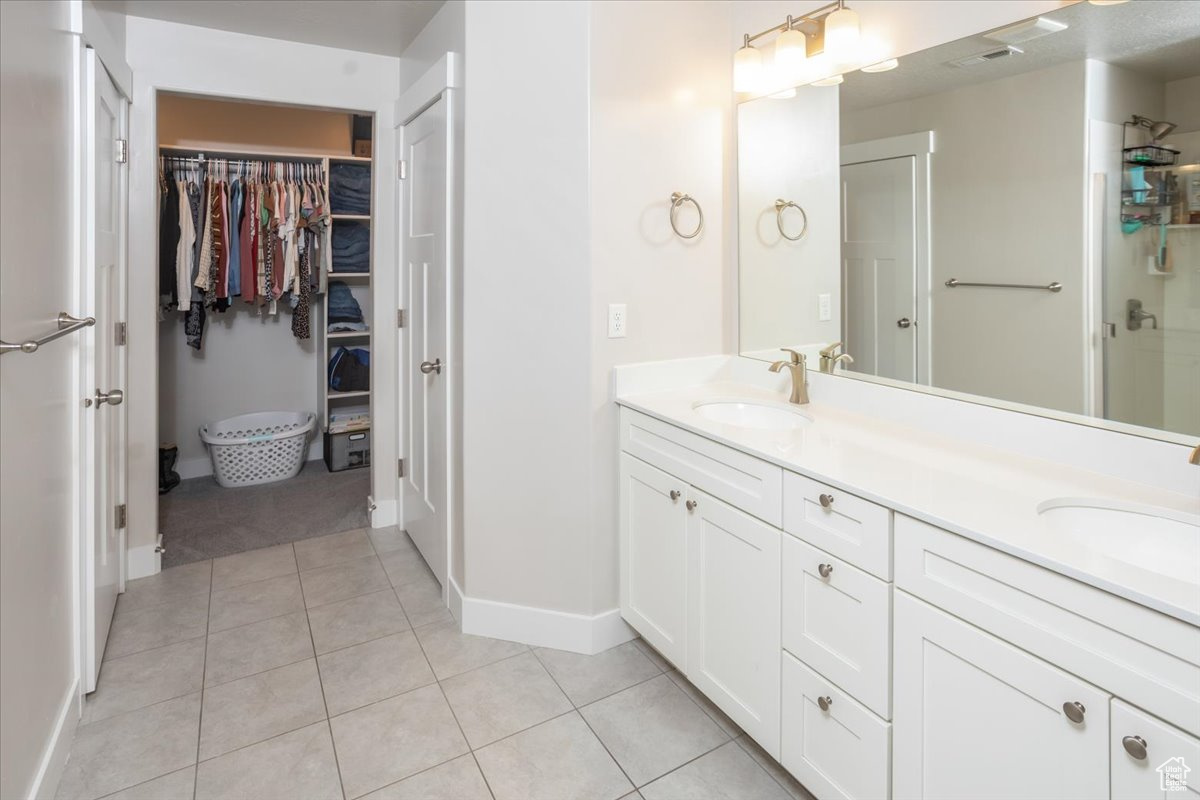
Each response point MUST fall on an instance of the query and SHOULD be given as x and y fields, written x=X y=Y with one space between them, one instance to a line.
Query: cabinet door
x=654 y=557
x=733 y=615
x=974 y=717
x=1150 y=758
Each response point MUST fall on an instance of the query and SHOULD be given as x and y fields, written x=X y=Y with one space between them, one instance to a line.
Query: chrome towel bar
x=782 y=205
x=66 y=324
x=1055 y=286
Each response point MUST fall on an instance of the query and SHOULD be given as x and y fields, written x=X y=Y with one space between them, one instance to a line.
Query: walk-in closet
x=264 y=339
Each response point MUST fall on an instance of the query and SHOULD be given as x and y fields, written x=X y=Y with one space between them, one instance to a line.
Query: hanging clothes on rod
x=258 y=230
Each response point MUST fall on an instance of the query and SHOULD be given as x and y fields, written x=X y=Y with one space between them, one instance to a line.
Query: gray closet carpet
x=199 y=520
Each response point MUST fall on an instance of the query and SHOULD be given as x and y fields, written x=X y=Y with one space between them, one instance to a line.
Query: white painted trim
x=86 y=22
x=58 y=747
x=445 y=74
x=456 y=600
x=141 y=562
x=909 y=144
x=541 y=627
x=384 y=513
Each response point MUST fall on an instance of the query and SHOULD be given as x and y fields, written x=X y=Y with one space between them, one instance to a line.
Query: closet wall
x=249 y=361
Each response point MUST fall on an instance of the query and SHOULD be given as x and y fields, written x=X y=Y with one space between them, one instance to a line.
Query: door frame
x=442 y=81
x=920 y=146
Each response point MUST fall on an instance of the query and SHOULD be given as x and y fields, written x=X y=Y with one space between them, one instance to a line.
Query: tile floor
x=329 y=668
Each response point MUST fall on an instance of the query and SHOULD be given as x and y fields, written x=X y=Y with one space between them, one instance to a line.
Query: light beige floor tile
x=372 y=671
x=558 y=760
x=179 y=785
x=390 y=538
x=718 y=716
x=652 y=728
x=342 y=581
x=406 y=566
x=259 y=707
x=382 y=743
x=655 y=657
x=451 y=652
x=298 y=765
x=145 y=678
x=634 y=795
x=423 y=603
x=257 y=647
x=726 y=773
x=784 y=778
x=337 y=548
x=502 y=698
x=253 y=566
x=174 y=583
x=253 y=602
x=146 y=628
x=586 y=679
x=356 y=620
x=132 y=748
x=459 y=779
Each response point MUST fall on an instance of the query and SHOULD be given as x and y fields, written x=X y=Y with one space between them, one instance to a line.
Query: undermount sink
x=756 y=416
x=1158 y=540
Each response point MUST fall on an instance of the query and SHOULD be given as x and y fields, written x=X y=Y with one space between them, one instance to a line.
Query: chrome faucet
x=829 y=361
x=799 y=369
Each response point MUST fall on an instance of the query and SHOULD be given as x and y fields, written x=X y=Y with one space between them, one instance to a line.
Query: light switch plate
x=616 y=320
x=824 y=307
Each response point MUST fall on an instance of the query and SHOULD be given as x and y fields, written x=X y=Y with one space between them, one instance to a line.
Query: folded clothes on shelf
x=348 y=327
x=350 y=370
x=350 y=188
x=351 y=247
x=342 y=305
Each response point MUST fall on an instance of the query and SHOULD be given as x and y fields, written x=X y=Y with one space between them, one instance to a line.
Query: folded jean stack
x=351 y=247
x=350 y=189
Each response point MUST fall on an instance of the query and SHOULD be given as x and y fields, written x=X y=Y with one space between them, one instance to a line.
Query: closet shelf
x=349 y=275
x=355 y=217
x=347 y=334
x=334 y=395
x=355 y=159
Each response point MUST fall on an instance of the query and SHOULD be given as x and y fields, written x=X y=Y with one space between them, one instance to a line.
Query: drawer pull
x=826 y=500
x=1135 y=746
x=825 y=702
x=675 y=495
x=1074 y=711
x=691 y=505
x=825 y=569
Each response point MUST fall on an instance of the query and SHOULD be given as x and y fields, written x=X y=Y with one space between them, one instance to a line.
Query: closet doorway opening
x=265 y=375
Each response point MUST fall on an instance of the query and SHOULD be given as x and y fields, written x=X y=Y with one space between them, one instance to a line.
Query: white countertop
x=981 y=493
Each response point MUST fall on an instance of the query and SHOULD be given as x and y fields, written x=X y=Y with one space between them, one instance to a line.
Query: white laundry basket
x=258 y=448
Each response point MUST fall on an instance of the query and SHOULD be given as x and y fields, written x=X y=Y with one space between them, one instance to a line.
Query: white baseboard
x=578 y=633
x=385 y=513
x=456 y=600
x=142 y=561
x=58 y=747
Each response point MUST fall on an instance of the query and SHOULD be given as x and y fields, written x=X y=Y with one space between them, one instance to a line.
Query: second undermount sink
x=1158 y=540
x=755 y=416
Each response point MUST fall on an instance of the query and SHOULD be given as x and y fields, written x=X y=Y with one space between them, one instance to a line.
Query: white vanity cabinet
x=1146 y=754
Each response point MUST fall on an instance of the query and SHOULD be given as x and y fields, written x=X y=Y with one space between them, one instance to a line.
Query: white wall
x=1007 y=205
x=39 y=396
x=182 y=58
x=1183 y=103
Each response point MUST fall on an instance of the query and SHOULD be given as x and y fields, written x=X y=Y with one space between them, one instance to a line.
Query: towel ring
x=678 y=199
x=780 y=206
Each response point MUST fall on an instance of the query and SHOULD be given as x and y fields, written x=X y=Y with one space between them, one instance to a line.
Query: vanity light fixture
x=791 y=53
x=842 y=36
x=832 y=80
x=882 y=66
x=747 y=68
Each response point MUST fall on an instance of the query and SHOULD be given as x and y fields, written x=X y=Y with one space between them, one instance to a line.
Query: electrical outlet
x=824 y=307
x=616 y=320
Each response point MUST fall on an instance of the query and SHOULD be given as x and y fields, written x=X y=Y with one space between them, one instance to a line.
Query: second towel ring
x=780 y=206
x=678 y=199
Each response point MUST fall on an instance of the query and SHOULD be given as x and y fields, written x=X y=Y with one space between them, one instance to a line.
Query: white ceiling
x=385 y=27
x=1157 y=38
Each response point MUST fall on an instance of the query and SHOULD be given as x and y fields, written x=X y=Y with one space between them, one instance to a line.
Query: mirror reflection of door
x=879 y=278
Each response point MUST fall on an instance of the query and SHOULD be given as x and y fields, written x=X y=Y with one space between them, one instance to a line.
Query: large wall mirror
x=1014 y=217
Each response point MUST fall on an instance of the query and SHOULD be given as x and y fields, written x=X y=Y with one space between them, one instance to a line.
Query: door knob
x=825 y=569
x=825 y=702
x=675 y=494
x=903 y=322
x=432 y=366
x=1074 y=711
x=826 y=500
x=691 y=505
x=1135 y=746
x=113 y=398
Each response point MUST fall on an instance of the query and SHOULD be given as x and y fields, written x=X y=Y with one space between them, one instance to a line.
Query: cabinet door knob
x=825 y=569
x=825 y=702
x=826 y=500
x=1135 y=746
x=675 y=494
x=1074 y=711
x=691 y=505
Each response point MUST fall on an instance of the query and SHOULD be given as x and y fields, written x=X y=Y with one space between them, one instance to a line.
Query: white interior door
x=879 y=278
x=423 y=352
x=105 y=367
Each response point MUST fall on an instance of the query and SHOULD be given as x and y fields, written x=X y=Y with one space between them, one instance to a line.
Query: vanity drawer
x=849 y=527
x=842 y=751
x=751 y=484
x=840 y=623
x=1136 y=778
x=1141 y=655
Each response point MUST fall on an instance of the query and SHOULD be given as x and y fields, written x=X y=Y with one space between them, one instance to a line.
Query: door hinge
x=122 y=334
x=400 y=318
x=400 y=467
x=119 y=516
x=122 y=151
x=402 y=169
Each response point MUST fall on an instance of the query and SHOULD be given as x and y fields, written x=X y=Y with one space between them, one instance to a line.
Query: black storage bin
x=348 y=450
